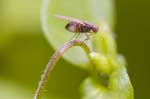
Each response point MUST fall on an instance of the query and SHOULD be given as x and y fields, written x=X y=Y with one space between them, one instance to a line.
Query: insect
x=78 y=26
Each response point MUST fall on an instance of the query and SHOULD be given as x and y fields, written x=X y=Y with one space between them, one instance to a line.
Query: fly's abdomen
x=72 y=27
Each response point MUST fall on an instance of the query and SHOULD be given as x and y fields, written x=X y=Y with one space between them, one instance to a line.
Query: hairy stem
x=53 y=61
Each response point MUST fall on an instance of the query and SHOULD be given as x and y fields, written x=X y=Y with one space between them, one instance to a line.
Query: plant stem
x=53 y=61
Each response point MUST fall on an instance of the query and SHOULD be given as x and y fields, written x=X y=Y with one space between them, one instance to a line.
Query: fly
x=78 y=26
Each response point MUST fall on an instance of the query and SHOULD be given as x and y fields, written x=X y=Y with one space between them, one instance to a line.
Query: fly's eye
x=95 y=29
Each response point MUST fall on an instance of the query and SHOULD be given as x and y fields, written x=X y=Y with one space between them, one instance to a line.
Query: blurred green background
x=24 y=51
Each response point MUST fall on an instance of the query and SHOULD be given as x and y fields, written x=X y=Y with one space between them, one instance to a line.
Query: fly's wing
x=70 y=19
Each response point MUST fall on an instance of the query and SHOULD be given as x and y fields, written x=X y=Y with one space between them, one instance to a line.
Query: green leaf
x=119 y=87
x=89 y=10
x=104 y=42
x=103 y=63
x=90 y=89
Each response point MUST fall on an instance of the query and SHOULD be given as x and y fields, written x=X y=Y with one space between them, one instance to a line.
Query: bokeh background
x=24 y=51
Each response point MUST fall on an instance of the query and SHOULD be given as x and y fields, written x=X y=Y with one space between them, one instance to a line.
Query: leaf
x=119 y=87
x=89 y=10
x=104 y=41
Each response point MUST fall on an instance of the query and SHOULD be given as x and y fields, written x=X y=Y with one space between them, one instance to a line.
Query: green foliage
x=90 y=10
x=109 y=79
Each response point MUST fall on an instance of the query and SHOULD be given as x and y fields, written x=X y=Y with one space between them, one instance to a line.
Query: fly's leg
x=76 y=36
x=73 y=37
x=80 y=35
x=88 y=36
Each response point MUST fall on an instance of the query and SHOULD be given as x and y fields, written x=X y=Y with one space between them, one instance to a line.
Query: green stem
x=54 y=60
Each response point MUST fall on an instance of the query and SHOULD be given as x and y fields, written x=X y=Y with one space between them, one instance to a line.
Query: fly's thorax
x=85 y=29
